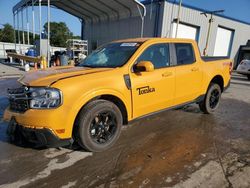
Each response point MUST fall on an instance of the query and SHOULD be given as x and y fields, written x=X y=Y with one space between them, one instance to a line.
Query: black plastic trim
x=127 y=81
x=172 y=53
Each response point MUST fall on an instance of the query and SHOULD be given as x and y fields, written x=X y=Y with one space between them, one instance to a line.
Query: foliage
x=7 y=33
x=76 y=37
x=32 y=41
x=59 y=33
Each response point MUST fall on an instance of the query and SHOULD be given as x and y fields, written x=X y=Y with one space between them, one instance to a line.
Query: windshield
x=110 y=55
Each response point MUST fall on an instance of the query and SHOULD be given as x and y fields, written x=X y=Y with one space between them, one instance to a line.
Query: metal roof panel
x=94 y=10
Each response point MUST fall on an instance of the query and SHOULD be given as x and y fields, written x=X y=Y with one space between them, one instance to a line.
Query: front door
x=153 y=91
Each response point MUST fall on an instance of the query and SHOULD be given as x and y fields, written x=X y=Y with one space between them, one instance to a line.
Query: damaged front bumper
x=38 y=137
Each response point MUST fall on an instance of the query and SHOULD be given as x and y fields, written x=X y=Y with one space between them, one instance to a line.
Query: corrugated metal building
x=227 y=34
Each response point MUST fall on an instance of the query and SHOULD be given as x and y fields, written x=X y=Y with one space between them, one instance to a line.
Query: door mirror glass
x=144 y=66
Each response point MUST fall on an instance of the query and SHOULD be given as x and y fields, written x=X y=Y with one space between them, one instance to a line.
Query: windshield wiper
x=86 y=66
x=97 y=66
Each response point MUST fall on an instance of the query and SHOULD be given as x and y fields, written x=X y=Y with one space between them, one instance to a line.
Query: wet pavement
x=178 y=148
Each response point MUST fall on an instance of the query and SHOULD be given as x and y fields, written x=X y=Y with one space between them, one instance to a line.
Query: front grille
x=18 y=99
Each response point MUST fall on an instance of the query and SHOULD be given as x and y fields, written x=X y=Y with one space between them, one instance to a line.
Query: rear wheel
x=212 y=99
x=248 y=76
x=99 y=125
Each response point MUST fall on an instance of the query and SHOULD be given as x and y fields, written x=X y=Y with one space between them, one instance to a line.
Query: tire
x=212 y=99
x=98 y=125
x=248 y=76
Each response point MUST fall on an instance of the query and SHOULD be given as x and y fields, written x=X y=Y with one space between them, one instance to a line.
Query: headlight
x=42 y=98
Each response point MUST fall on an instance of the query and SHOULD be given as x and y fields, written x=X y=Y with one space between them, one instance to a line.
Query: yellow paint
x=167 y=87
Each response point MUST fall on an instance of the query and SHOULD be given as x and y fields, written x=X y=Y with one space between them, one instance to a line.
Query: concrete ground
x=10 y=69
x=178 y=148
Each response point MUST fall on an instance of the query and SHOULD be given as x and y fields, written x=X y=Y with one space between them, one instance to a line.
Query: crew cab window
x=157 y=54
x=184 y=53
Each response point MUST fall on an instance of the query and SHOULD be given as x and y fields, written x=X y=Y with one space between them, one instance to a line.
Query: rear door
x=188 y=74
x=153 y=91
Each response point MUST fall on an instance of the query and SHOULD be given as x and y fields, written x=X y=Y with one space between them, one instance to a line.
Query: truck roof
x=154 y=39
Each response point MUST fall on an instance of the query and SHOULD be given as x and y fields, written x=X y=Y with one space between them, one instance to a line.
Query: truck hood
x=51 y=75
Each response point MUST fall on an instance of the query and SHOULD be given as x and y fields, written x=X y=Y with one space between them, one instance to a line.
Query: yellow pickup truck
x=119 y=82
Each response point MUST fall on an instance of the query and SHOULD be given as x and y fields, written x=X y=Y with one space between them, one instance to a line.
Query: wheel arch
x=218 y=79
x=109 y=97
x=118 y=102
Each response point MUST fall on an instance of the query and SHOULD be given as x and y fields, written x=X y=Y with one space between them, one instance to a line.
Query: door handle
x=166 y=74
x=194 y=69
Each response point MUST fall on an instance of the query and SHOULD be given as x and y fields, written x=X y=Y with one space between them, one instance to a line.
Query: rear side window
x=184 y=53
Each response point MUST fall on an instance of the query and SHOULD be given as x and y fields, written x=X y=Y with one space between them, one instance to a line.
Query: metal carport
x=93 y=11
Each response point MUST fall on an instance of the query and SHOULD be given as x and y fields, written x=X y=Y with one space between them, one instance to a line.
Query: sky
x=57 y=15
x=238 y=9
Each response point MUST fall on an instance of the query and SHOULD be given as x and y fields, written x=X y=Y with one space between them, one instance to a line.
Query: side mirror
x=144 y=66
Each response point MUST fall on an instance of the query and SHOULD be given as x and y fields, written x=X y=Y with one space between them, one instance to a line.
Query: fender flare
x=89 y=96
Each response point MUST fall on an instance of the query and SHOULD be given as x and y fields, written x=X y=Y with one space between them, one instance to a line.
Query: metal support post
x=22 y=26
x=142 y=15
x=33 y=21
x=178 y=18
x=209 y=27
x=14 y=26
x=40 y=25
x=28 y=24
x=18 y=29
x=142 y=21
x=208 y=35
x=48 y=33
x=82 y=29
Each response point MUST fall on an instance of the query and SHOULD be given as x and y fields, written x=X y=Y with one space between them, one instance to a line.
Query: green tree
x=32 y=41
x=7 y=33
x=59 y=33
x=77 y=37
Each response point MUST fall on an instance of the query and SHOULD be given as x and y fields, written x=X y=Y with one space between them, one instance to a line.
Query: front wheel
x=212 y=99
x=98 y=125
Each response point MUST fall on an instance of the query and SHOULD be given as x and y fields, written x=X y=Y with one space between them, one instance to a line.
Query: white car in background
x=244 y=68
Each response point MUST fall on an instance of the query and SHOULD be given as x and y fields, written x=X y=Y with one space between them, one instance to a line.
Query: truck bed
x=213 y=58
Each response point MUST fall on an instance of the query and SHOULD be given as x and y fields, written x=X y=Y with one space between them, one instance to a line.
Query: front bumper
x=61 y=125
x=38 y=137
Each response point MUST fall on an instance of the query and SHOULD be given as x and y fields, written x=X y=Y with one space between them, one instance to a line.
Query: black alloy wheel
x=103 y=127
x=212 y=99
x=98 y=125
